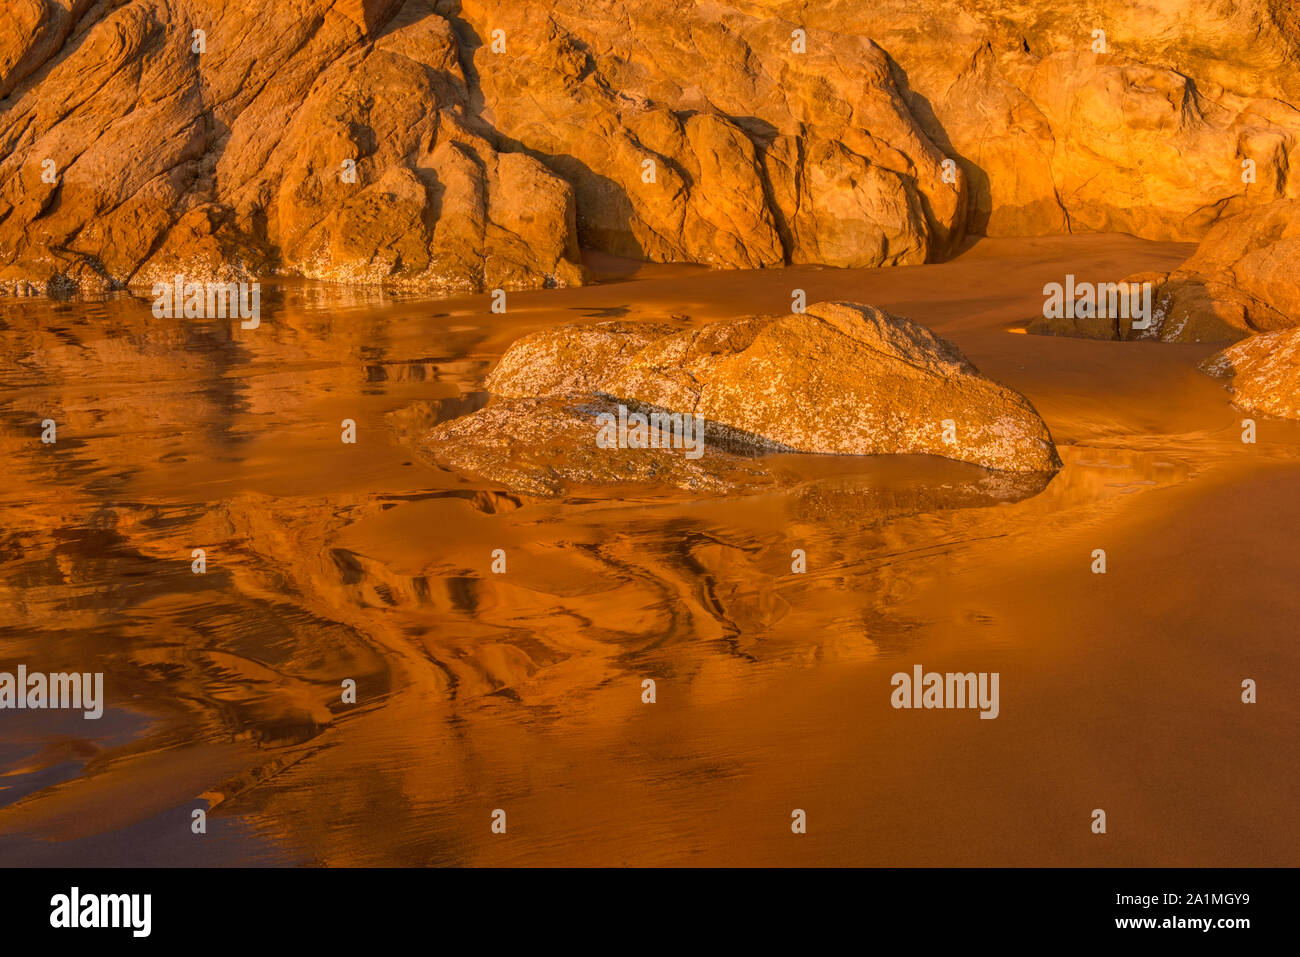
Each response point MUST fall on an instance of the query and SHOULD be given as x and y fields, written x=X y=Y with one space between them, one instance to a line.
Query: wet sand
x=522 y=691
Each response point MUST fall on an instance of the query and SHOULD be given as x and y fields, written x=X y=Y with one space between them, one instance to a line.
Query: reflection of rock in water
x=412 y=422
x=864 y=500
x=547 y=447
x=328 y=562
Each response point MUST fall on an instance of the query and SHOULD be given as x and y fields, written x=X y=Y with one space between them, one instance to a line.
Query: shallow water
x=523 y=690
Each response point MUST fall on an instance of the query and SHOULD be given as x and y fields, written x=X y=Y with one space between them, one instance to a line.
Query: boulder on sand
x=1265 y=373
x=838 y=379
x=842 y=379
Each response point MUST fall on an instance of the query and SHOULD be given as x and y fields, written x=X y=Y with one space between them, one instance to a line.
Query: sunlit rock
x=1264 y=371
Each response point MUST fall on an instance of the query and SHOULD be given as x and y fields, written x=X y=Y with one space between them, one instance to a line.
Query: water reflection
x=328 y=563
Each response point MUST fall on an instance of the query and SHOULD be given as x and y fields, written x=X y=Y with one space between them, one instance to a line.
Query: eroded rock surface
x=571 y=360
x=491 y=141
x=1147 y=136
x=840 y=379
x=760 y=154
x=333 y=143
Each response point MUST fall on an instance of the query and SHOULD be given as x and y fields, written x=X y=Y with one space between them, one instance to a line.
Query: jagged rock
x=547 y=447
x=230 y=162
x=489 y=142
x=760 y=154
x=1148 y=137
x=251 y=136
x=1265 y=373
x=1080 y=142
x=203 y=246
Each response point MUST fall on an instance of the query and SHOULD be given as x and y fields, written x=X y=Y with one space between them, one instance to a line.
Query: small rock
x=1265 y=373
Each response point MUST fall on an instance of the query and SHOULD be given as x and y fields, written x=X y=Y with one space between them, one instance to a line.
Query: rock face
x=1098 y=144
x=1055 y=132
x=466 y=145
x=1265 y=373
x=760 y=154
x=839 y=379
x=334 y=144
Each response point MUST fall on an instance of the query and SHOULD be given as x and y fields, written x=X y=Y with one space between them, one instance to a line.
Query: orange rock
x=475 y=144
x=840 y=379
x=1243 y=278
x=1264 y=372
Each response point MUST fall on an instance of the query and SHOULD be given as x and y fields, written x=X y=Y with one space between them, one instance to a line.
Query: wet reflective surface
x=522 y=690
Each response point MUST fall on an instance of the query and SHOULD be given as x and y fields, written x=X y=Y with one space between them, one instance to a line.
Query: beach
x=522 y=690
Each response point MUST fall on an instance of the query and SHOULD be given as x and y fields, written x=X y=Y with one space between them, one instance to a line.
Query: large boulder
x=840 y=379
